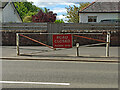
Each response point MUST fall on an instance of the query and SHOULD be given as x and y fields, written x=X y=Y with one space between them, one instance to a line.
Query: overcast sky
x=58 y=6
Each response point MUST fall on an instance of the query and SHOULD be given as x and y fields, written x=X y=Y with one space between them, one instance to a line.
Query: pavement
x=86 y=54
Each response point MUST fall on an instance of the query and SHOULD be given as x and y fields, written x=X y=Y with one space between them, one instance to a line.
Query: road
x=48 y=74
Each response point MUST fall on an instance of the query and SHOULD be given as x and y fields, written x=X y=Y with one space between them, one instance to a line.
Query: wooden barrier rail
x=17 y=42
x=36 y=41
x=90 y=38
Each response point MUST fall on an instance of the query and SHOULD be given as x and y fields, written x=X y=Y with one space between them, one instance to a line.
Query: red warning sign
x=62 y=41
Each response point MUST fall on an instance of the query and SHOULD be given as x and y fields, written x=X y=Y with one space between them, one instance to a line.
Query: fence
x=24 y=26
x=64 y=27
x=82 y=27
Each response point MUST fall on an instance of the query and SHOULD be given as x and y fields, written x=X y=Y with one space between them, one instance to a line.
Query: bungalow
x=8 y=13
x=97 y=11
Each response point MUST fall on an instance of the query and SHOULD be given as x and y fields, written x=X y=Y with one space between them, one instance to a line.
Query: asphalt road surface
x=48 y=74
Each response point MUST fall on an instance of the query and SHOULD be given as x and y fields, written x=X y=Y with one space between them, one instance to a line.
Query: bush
x=59 y=21
x=27 y=19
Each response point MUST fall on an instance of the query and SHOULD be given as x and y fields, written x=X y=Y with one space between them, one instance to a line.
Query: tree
x=26 y=8
x=44 y=17
x=28 y=11
x=27 y=19
x=59 y=21
x=46 y=10
x=72 y=12
x=21 y=8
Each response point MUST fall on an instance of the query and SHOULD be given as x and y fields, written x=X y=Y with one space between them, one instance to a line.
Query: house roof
x=99 y=7
x=3 y=4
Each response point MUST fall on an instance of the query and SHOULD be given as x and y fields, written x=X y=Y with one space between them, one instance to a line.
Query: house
x=97 y=11
x=8 y=13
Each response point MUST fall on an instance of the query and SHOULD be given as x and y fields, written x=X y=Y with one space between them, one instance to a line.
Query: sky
x=58 y=6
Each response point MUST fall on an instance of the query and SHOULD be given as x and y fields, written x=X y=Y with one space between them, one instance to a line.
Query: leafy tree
x=44 y=17
x=26 y=8
x=21 y=8
x=27 y=19
x=30 y=7
x=83 y=5
x=46 y=10
x=30 y=12
x=59 y=21
x=72 y=12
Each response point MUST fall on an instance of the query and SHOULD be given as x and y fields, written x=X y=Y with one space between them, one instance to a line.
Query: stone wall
x=9 y=39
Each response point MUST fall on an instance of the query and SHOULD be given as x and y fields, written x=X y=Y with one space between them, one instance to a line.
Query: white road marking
x=52 y=61
x=47 y=83
x=16 y=60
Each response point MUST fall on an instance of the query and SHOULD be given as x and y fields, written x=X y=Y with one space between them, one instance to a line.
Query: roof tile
x=102 y=7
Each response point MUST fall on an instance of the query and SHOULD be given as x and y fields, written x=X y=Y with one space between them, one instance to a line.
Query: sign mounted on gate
x=62 y=41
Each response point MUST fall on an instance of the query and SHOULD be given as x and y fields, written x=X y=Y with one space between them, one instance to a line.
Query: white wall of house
x=83 y=17
x=10 y=14
x=0 y=15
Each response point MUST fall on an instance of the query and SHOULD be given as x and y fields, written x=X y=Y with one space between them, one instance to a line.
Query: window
x=92 y=18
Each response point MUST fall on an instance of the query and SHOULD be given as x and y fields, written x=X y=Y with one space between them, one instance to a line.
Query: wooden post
x=108 y=44
x=17 y=43
x=77 y=52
